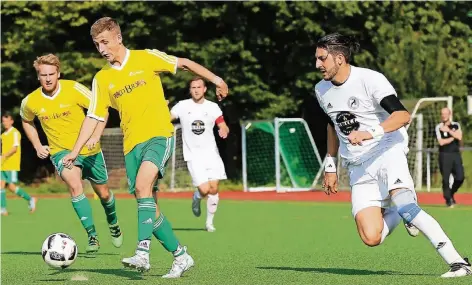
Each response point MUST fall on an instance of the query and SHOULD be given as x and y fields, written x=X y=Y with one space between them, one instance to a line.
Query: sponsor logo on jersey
x=55 y=116
x=198 y=127
x=129 y=88
x=347 y=122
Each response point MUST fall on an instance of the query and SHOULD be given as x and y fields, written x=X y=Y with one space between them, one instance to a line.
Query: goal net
x=423 y=145
x=279 y=155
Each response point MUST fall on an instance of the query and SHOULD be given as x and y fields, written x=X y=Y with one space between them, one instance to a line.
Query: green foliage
x=265 y=50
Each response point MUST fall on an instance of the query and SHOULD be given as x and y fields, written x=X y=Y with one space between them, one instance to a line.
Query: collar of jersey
x=124 y=62
x=53 y=96
x=8 y=131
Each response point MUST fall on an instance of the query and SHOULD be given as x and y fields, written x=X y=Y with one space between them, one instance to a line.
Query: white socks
x=436 y=235
x=212 y=205
x=391 y=220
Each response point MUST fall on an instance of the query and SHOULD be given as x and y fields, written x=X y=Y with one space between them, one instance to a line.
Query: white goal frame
x=418 y=148
x=279 y=157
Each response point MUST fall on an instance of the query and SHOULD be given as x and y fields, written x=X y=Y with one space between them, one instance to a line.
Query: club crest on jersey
x=347 y=122
x=353 y=103
x=198 y=127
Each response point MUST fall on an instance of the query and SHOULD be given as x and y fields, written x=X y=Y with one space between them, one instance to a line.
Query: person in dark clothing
x=449 y=134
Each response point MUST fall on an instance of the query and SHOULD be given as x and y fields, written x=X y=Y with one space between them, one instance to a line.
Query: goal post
x=279 y=155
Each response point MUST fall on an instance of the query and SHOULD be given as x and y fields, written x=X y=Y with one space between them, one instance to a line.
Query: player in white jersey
x=367 y=125
x=197 y=117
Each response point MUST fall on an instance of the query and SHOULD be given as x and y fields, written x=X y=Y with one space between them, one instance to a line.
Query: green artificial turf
x=255 y=243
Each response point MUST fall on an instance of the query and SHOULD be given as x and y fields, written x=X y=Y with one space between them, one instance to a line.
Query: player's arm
x=27 y=121
x=221 y=86
x=97 y=112
x=380 y=90
x=32 y=134
x=223 y=129
x=399 y=116
x=456 y=134
x=442 y=141
x=164 y=62
x=97 y=134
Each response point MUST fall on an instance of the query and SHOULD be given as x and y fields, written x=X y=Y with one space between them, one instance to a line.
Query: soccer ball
x=59 y=250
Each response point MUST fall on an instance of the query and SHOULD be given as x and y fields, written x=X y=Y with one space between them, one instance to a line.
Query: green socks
x=146 y=218
x=22 y=194
x=164 y=233
x=110 y=211
x=3 y=198
x=84 y=212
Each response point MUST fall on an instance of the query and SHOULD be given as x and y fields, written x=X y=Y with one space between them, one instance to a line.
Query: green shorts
x=10 y=176
x=93 y=166
x=156 y=150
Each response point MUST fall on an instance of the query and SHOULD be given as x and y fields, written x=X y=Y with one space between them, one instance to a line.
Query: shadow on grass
x=189 y=229
x=343 y=271
x=129 y=274
x=53 y=280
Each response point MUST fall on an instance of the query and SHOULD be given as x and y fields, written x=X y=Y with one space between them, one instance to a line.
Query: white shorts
x=204 y=170
x=372 y=180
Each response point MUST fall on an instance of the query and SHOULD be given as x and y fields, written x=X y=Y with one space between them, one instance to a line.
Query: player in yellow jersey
x=11 y=160
x=131 y=84
x=59 y=105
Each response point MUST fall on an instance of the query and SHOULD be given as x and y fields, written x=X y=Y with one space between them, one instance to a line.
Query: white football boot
x=458 y=270
x=139 y=261
x=180 y=265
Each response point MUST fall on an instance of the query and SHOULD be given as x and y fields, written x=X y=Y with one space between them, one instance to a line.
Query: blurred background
x=264 y=51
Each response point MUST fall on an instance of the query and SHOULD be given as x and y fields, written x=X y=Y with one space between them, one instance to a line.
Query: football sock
x=110 y=211
x=84 y=212
x=212 y=206
x=410 y=211
x=22 y=194
x=3 y=198
x=146 y=218
x=436 y=235
x=164 y=233
x=391 y=220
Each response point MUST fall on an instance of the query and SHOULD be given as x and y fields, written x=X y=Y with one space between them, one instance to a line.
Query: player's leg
x=445 y=167
x=164 y=233
x=73 y=179
x=94 y=169
x=199 y=176
x=369 y=199
x=3 y=197
x=146 y=208
x=12 y=180
x=216 y=173
x=157 y=154
x=403 y=196
x=212 y=205
x=458 y=172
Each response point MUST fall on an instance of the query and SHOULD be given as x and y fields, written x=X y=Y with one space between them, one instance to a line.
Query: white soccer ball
x=59 y=250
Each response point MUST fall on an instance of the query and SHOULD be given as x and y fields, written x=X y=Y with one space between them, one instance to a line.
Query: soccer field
x=255 y=243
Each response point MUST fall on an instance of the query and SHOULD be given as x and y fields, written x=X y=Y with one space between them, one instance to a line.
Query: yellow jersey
x=61 y=115
x=11 y=138
x=135 y=90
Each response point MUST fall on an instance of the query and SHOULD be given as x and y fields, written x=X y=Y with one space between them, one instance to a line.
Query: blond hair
x=104 y=24
x=49 y=59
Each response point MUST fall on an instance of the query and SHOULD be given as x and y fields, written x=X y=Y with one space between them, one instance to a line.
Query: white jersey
x=355 y=105
x=197 y=121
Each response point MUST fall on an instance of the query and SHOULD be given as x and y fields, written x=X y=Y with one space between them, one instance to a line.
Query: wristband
x=220 y=120
x=217 y=80
x=376 y=131
x=330 y=165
